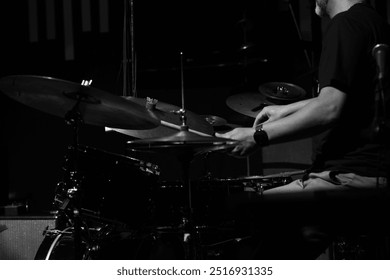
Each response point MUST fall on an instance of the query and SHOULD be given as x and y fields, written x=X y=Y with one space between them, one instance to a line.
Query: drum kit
x=148 y=219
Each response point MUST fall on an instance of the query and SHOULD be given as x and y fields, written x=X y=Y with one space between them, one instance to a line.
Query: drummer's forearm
x=293 y=107
x=315 y=116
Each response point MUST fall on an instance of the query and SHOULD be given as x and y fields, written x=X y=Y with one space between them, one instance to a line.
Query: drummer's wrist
x=260 y=136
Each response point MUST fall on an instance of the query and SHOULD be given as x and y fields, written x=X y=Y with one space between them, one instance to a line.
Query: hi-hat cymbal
x=170 y=120
x=58 y=97
x=248 y=103
x=181 y=141
x=281 y=91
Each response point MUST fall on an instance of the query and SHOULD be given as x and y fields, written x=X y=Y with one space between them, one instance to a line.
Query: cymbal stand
x=74 y=118
x=128 y=23
x=191 y=236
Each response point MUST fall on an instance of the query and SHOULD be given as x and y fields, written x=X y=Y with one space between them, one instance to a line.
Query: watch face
x=261 y=137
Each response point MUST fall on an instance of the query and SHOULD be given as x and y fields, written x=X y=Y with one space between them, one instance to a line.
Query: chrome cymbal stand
x=191 y=237
x=73 y=178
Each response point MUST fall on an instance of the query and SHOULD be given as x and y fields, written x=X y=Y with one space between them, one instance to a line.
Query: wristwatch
x=260 y=136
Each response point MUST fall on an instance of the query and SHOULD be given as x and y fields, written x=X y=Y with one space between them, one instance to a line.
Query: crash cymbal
x=248 y=103
x=214 y=120
x=170 y=120
x=282 y=91
x=179 y=141
x=57 y=97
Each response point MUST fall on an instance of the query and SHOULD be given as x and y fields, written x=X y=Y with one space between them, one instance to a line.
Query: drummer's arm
x=274 y=112
x=316 y=115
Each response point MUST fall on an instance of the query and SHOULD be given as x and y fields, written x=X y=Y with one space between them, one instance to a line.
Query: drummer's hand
x=246 y=144
x=270 y=113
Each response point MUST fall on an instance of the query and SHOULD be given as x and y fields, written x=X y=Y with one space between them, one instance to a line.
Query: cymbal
x=170 y=120
x=282 y=91
x=214 y=120
x=57 y=97
x=248 y=103
x=181 y=140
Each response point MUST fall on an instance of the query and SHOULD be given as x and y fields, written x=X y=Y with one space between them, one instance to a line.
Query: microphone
x=379 y=52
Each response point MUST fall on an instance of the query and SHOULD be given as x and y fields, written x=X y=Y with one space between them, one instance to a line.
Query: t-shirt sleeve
x=342 y=50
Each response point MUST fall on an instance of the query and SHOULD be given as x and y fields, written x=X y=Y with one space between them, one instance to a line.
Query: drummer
x=352 y=153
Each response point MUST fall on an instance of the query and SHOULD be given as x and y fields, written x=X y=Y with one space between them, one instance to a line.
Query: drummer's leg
x=300 y=222
x=328 y=181
x=292 y=233
x=313 y=182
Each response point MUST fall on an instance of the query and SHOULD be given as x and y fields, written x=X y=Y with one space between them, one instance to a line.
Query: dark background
x=209 y=33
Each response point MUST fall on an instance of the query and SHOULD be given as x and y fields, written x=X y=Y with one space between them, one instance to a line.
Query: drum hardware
x=74 y=118
x=57 y=235
x=256 y=184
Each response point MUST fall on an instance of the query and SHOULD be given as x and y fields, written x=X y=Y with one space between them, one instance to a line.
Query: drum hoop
x=54 y=243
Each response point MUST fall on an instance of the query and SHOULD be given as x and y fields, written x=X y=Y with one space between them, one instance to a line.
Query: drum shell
x=110 y=186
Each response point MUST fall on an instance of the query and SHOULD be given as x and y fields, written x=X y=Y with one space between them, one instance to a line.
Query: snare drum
x=107 y=186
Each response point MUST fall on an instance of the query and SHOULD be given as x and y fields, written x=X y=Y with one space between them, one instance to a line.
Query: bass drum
x=121 y=245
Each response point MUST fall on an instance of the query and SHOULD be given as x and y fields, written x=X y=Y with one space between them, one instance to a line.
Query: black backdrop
x=210 y=33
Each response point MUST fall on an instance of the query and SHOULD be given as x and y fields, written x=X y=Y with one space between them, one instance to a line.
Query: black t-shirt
x=348 y=65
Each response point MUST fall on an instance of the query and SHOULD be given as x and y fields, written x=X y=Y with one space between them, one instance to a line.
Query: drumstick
x=175 y=126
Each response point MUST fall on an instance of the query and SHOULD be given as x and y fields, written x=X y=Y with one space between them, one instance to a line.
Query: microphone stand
x=379 y=123
x=381 y=131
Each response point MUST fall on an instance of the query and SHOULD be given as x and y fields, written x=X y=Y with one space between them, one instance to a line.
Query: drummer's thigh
x=312 y=184
x=294 y=186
